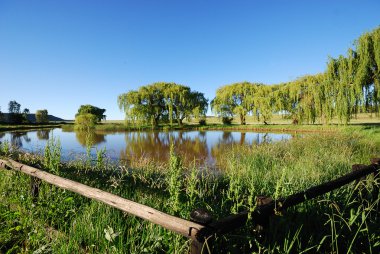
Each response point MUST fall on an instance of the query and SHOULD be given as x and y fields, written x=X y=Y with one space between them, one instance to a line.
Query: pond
x=203 y=147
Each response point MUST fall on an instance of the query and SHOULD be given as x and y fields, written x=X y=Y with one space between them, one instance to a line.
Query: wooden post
x=204 y=218
x=262 y=224
x=376 y=182
x=34 y=188
x=196 y=247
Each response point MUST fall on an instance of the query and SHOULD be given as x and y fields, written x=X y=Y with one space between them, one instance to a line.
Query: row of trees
x=16 y=116
x=350 y=85
x=165 y=102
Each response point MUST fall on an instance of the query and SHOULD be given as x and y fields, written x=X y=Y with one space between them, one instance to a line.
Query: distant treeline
x=16 y=116
x=350 y=85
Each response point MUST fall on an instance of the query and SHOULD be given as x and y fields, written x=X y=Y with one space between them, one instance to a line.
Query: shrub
x=227 y=120
x=42 y=116
x=202 y=121
x=85 y=121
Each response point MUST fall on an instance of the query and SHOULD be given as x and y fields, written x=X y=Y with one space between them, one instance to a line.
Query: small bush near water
x=345 y=220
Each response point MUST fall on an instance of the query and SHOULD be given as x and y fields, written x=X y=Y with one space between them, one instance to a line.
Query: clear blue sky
x=61 y=54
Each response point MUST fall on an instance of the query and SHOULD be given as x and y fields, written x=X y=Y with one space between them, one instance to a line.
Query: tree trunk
x=155 y=121
x=242 y=119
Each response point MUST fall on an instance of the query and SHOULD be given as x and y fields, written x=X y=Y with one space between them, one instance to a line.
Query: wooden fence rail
x=262 y=212
x=198 y=232
x=184 y=227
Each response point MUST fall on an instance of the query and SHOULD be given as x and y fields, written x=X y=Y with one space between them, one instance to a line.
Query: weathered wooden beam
x=324 y=188
x=261 y=213
x=184 y=227
x=376 y=178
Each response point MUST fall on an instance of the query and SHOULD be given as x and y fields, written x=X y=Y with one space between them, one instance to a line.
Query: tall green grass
x=345 y=220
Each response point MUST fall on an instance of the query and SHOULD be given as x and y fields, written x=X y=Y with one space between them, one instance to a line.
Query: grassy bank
x=63 y=222
x=277 y=124
x=8 y=127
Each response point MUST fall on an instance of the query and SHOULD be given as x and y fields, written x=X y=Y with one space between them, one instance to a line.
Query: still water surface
x=202 y=146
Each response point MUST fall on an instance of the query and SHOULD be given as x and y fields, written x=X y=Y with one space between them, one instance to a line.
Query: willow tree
x=350 y=84
x=368 y=70
x=175 y=95
x=146 y=104
x=376 y=68
x=263 y=102
x=90 y=109
x=310 y=98
x=235 y=99
x=194 y=105
x=287 y=97
x=348 y=94
x=183 y=103
x=160 y=101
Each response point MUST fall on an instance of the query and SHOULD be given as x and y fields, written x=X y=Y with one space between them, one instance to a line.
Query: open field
x=63 y=222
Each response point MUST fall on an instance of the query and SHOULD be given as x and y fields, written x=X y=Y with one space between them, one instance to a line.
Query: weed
x=174 y=180
x=52 y=155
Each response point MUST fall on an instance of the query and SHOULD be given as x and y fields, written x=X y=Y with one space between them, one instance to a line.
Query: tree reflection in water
x=43 y=134
x=91 y=137
x=205 y=148
x=156 y=146
x=18 y=137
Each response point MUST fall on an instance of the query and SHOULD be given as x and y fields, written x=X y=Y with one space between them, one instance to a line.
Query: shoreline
x=279 y=128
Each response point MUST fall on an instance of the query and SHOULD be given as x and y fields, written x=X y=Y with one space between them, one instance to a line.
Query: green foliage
x=227 y=120
x=235 y=99
x=1 y=116
x=161 y=102
x=52 y=155
x=15 y=116
x=174 y=180
x=5 y=148
x=42 y=116
x=202 y=121
x=100 y=158
x=350 y=85
x=85 y=122
x=89 y=109
x=14 y=107
x=25 y=113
